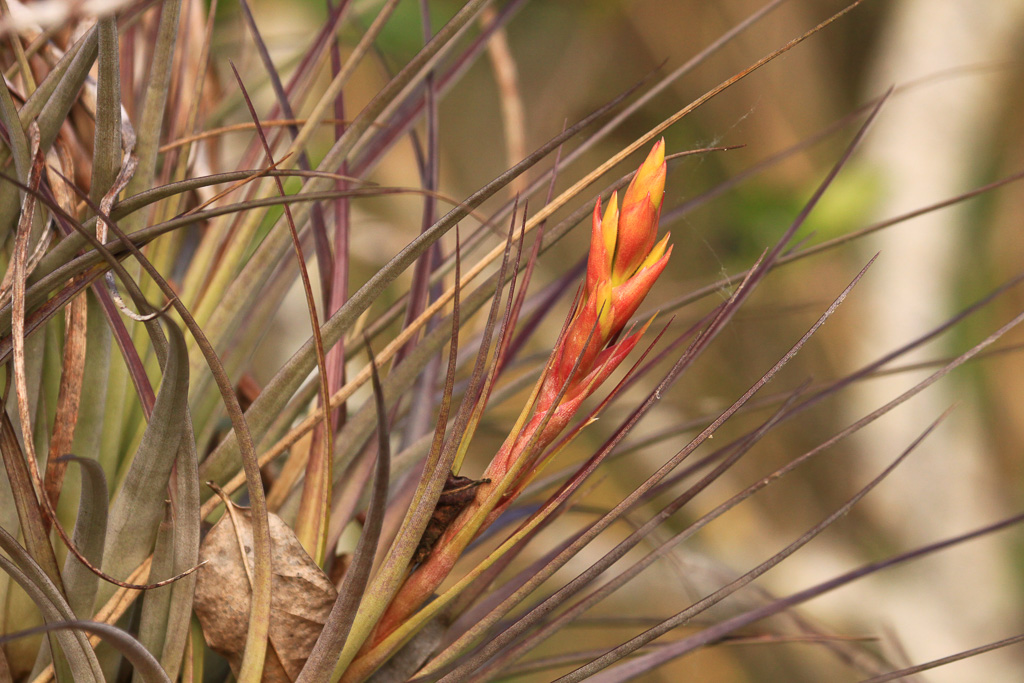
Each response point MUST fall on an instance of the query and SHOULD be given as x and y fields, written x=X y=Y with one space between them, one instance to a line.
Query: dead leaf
x=302 y=595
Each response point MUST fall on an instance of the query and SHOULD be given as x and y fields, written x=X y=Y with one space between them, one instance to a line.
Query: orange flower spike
x=638 y=221
x=623 y=264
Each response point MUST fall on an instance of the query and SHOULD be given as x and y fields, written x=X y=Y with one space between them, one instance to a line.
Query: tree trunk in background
x=924 y=144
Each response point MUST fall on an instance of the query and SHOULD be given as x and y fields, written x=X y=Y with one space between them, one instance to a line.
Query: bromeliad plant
x=161 y=510
x=623 y=264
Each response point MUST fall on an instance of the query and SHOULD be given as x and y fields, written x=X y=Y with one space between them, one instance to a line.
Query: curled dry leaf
x=302 y=595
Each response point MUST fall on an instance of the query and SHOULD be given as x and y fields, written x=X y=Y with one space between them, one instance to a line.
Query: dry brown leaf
x=302 y=595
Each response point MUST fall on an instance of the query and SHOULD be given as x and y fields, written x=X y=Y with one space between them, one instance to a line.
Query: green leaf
x=106 y=153
x=10 y=198
x=156 y=603
x=89 y=537
x=55 y=108
x=153 y=110
x=41 y=96
x=138 y=508
x=185 y=512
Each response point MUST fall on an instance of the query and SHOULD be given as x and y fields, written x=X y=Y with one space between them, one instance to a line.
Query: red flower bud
x=623 y=265
x=638 y=222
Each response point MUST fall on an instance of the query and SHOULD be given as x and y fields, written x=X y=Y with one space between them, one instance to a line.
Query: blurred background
x=951 y=125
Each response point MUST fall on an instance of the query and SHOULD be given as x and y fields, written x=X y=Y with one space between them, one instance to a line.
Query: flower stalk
x=624 y=262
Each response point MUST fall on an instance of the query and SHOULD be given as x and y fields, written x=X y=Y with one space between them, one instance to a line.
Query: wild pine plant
x=418 y=492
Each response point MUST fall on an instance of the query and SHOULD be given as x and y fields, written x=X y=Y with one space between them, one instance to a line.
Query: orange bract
x=623 y=265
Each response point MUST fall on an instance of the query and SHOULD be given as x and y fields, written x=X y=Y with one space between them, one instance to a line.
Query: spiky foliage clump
x=383 y=534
